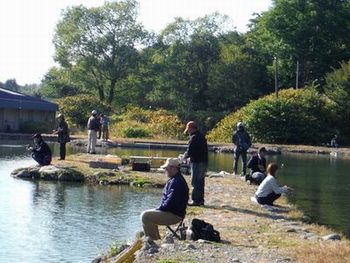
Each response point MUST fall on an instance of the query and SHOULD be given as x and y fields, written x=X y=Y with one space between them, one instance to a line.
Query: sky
x=27 y=27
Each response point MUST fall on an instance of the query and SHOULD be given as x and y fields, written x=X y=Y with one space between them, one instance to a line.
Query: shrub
x=297 y=117
x=77 y=109
x=137 y=122
x=136 y=132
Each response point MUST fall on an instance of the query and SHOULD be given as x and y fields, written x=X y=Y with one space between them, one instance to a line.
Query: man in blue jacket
x=197 y=151
x=173 y=204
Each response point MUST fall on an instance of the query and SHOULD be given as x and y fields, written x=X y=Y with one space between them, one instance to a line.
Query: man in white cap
x=173 y=204
x=93 y=126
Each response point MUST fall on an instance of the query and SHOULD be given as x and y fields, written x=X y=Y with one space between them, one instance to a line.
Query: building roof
x=14 y=100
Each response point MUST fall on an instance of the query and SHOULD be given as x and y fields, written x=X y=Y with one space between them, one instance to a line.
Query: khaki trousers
x=152 y=218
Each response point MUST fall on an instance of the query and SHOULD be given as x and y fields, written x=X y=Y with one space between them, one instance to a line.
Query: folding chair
x=179 y=232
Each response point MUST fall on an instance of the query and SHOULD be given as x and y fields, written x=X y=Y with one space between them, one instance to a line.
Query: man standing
x=242 y=143
x=104 y=127
x=174 y=201
x=93 y=126
x=257 y=164
x=63 y=135
x=197 y=151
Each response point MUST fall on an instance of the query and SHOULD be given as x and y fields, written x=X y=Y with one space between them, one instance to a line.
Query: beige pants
x=92 y=139
x=152 y=218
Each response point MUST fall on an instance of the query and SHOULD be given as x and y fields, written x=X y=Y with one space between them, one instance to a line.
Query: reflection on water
x=51 y=222
x=64 y=222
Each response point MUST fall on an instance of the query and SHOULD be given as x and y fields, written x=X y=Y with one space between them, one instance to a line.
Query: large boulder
x=50 y=173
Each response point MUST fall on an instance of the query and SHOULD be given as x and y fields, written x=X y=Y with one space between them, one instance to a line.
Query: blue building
x=23 y=113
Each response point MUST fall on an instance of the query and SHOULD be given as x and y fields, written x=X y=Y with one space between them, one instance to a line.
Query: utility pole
x=276 y=76
x=297 y=76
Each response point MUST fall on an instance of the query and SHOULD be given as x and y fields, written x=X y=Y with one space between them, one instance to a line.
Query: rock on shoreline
x=49 y=173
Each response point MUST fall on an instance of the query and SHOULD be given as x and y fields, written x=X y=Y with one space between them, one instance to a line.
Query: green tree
x=100 y=41
x=313 y=32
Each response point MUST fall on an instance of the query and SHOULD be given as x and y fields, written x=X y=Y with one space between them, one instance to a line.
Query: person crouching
x=173 y=204
x=269 y=190
x=41 y=152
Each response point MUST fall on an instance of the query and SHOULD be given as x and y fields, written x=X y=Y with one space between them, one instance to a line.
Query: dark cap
x=262 y=149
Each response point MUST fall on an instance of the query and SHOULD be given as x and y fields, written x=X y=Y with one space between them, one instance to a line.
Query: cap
x=240 y=124
x=190 y=125
x=94 y=112
x=60 y=115
x=171 y=162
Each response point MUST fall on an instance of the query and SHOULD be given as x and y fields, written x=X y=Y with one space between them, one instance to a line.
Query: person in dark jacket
x=41 y=152
x=242 y=142
x=173 y=205
x=197 y=151
x=93 y=126
x=63 y=135
x=257 y=165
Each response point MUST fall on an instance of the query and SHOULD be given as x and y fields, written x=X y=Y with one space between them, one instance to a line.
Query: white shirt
x=270 y=185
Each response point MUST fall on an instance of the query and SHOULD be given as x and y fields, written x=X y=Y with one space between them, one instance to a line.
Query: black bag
x=204 y=230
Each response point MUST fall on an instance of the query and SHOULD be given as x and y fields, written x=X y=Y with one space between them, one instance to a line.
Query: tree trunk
x=111 y=90
x=101 y=93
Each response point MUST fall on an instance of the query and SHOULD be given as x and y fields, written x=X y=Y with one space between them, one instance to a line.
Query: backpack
x=204 y=230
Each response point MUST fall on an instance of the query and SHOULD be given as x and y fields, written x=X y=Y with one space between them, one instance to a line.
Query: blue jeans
x=237 y=154
x=198 y=171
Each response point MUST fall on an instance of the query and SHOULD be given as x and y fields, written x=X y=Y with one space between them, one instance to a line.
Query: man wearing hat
x=242 y=142
x=197 y=151
x=41 y=152
x=93 y=126
x=63 y=135
x=173 y=204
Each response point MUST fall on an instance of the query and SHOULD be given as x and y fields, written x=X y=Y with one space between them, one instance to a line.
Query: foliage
x=337 y=88
x=297 y=117
x=100 y=42
x=77 y=109
x=137 y=122
x=135 y=132
x=311 y=32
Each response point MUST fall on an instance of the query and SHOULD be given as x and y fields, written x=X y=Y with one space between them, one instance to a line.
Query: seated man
x=174 y=201
x=41 y=152
x=257 y=164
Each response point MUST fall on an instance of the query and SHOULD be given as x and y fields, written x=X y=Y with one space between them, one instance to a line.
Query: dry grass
x=323 y=252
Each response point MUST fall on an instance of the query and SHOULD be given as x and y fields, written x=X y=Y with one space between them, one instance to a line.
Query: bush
x=136 y=132
x=77 y=109
x=157 y=124
x=297 y=117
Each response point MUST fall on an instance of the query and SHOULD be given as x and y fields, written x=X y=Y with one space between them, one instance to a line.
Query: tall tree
x=101 y=41
x=313 y=32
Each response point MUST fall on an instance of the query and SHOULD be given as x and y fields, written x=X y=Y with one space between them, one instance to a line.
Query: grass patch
x=323 y=252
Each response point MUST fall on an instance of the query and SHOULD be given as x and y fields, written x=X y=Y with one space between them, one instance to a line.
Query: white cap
x=171 y=162
x=94 y=112
x=239 y=124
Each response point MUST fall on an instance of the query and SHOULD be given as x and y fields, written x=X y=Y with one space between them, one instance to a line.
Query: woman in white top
x=269 y=190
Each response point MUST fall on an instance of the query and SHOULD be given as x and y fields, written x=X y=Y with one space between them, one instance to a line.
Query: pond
x=62 y=222
x=55 y=222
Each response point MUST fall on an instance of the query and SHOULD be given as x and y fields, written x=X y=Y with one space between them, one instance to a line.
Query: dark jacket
x=254 y=163
x=175 y=196
x=63 y=132
x=43 y=149
x=242 y=140
x=93 y=123
x=197 y=149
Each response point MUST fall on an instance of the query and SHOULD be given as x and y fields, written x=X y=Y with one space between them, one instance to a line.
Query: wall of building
x=15 y=120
